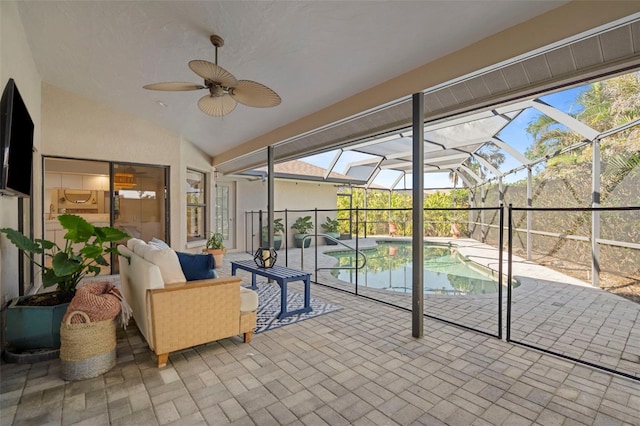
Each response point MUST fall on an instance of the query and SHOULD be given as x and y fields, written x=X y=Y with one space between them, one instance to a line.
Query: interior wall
x=77 y=127
x=16 y=62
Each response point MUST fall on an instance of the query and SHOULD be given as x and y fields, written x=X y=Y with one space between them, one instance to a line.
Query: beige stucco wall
x=76 y=127
x=191 y=157
x=17 y=62
x=292 y=195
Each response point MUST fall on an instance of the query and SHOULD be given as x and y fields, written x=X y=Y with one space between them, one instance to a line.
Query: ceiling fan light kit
x=225 y=91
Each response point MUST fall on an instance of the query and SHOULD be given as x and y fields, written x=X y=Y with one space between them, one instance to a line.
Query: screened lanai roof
x=449 y=146
x=467 y=121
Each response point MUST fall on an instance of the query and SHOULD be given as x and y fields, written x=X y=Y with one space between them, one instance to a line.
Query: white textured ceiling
x=312 y=53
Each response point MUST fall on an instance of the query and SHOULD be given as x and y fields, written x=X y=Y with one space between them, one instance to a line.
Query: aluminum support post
x=365 y=212
x=483 y=222
x=270 y=195
x=595 y=215
x=509 y=270
x=529 y=213
x=270 y=198
x=417 y=295
x=500 y=266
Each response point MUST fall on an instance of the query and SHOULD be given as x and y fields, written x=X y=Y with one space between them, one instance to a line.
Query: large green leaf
x=78 y=229
x=46 y=244
x=109 y=234
x=91 y=252
x=68 y=267
x=111 y=250
x=63 y=265
x=50 y=278
x=22 y=242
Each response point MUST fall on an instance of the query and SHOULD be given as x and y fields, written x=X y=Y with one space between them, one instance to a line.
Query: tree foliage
x=384 y=208
x=602 y=106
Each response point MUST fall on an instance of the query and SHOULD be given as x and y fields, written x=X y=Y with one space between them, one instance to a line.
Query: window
x=222 y=211
x=196 y=206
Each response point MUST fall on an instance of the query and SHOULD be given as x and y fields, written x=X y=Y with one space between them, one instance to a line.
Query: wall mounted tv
x=16 y=143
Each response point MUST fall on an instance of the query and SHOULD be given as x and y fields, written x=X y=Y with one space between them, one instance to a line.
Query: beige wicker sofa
x=173 y=314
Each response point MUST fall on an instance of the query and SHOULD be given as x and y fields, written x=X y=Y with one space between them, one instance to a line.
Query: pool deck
x=356 y=366
x=550 y=310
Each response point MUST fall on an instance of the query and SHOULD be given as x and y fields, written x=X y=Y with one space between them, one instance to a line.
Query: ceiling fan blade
x=254 y=94
x=174 y=87
x=213 y=72
x=217 y=106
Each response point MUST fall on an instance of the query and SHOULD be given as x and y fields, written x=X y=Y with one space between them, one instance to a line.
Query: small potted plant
x=278 y=229
x=303 y=225
x=216 y=247
x=330 y=227
x=34 y=321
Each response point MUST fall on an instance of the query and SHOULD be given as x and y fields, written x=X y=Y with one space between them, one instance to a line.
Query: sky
x=514 y=134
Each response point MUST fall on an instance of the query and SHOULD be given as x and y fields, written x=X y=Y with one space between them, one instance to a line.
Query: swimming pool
x=389 y=267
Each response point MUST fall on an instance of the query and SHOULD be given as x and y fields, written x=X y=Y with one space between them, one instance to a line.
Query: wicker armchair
x=177 y=316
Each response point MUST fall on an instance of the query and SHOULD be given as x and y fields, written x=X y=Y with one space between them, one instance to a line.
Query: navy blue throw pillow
x=197 y=266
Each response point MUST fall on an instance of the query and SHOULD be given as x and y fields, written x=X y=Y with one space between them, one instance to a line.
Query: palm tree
x=454 y=177
x=602 y=106
x=491 y=153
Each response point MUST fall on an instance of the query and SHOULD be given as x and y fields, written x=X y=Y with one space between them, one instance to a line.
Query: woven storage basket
x=87 y=349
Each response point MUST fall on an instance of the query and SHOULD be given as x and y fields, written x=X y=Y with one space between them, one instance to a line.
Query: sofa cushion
x=141 y=248
x=166 y=260
x=159 y=243
x=248 y=300
x=197 y=266
x=132 y=242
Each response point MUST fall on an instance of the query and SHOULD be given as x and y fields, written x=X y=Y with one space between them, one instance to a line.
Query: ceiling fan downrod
x=217 y=41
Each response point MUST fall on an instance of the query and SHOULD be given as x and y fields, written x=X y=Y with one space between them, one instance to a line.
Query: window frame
x=202 y=205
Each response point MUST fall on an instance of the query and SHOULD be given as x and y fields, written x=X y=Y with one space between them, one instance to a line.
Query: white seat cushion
x=166 y=260
x=248 y=300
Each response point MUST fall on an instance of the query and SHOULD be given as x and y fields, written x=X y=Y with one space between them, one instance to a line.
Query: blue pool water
x=389 y=267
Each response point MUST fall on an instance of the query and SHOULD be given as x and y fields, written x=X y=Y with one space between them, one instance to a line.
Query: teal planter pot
x=297 y=239
x=329 y=242
x=277 y=242
x=34 y=327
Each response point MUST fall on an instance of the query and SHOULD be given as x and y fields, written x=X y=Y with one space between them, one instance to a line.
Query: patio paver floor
x=359 y=365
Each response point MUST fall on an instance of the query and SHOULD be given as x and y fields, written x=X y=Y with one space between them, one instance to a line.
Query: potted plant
x=278 y=229
x=216 y=247
x=303 y=225
x=34 y=321
x=330 y=227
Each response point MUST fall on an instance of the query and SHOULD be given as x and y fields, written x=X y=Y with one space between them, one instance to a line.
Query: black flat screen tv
x=16 y=143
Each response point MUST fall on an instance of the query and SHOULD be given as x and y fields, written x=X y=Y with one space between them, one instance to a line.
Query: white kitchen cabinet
x=95 y=182
x=53 y=180
x=71 y=181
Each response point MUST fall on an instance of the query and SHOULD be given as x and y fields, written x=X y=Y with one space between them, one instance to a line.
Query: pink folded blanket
x=100 y=301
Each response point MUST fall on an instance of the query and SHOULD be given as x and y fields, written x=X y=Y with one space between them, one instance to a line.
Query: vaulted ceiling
x=314 y=54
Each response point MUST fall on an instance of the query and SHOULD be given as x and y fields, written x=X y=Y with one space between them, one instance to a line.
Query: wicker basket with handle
x=87 y=349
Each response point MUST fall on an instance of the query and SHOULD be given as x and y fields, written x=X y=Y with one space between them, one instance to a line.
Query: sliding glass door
x=131 y=197
x=139 y=200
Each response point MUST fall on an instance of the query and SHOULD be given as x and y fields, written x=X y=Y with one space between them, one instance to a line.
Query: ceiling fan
x=224 y=90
